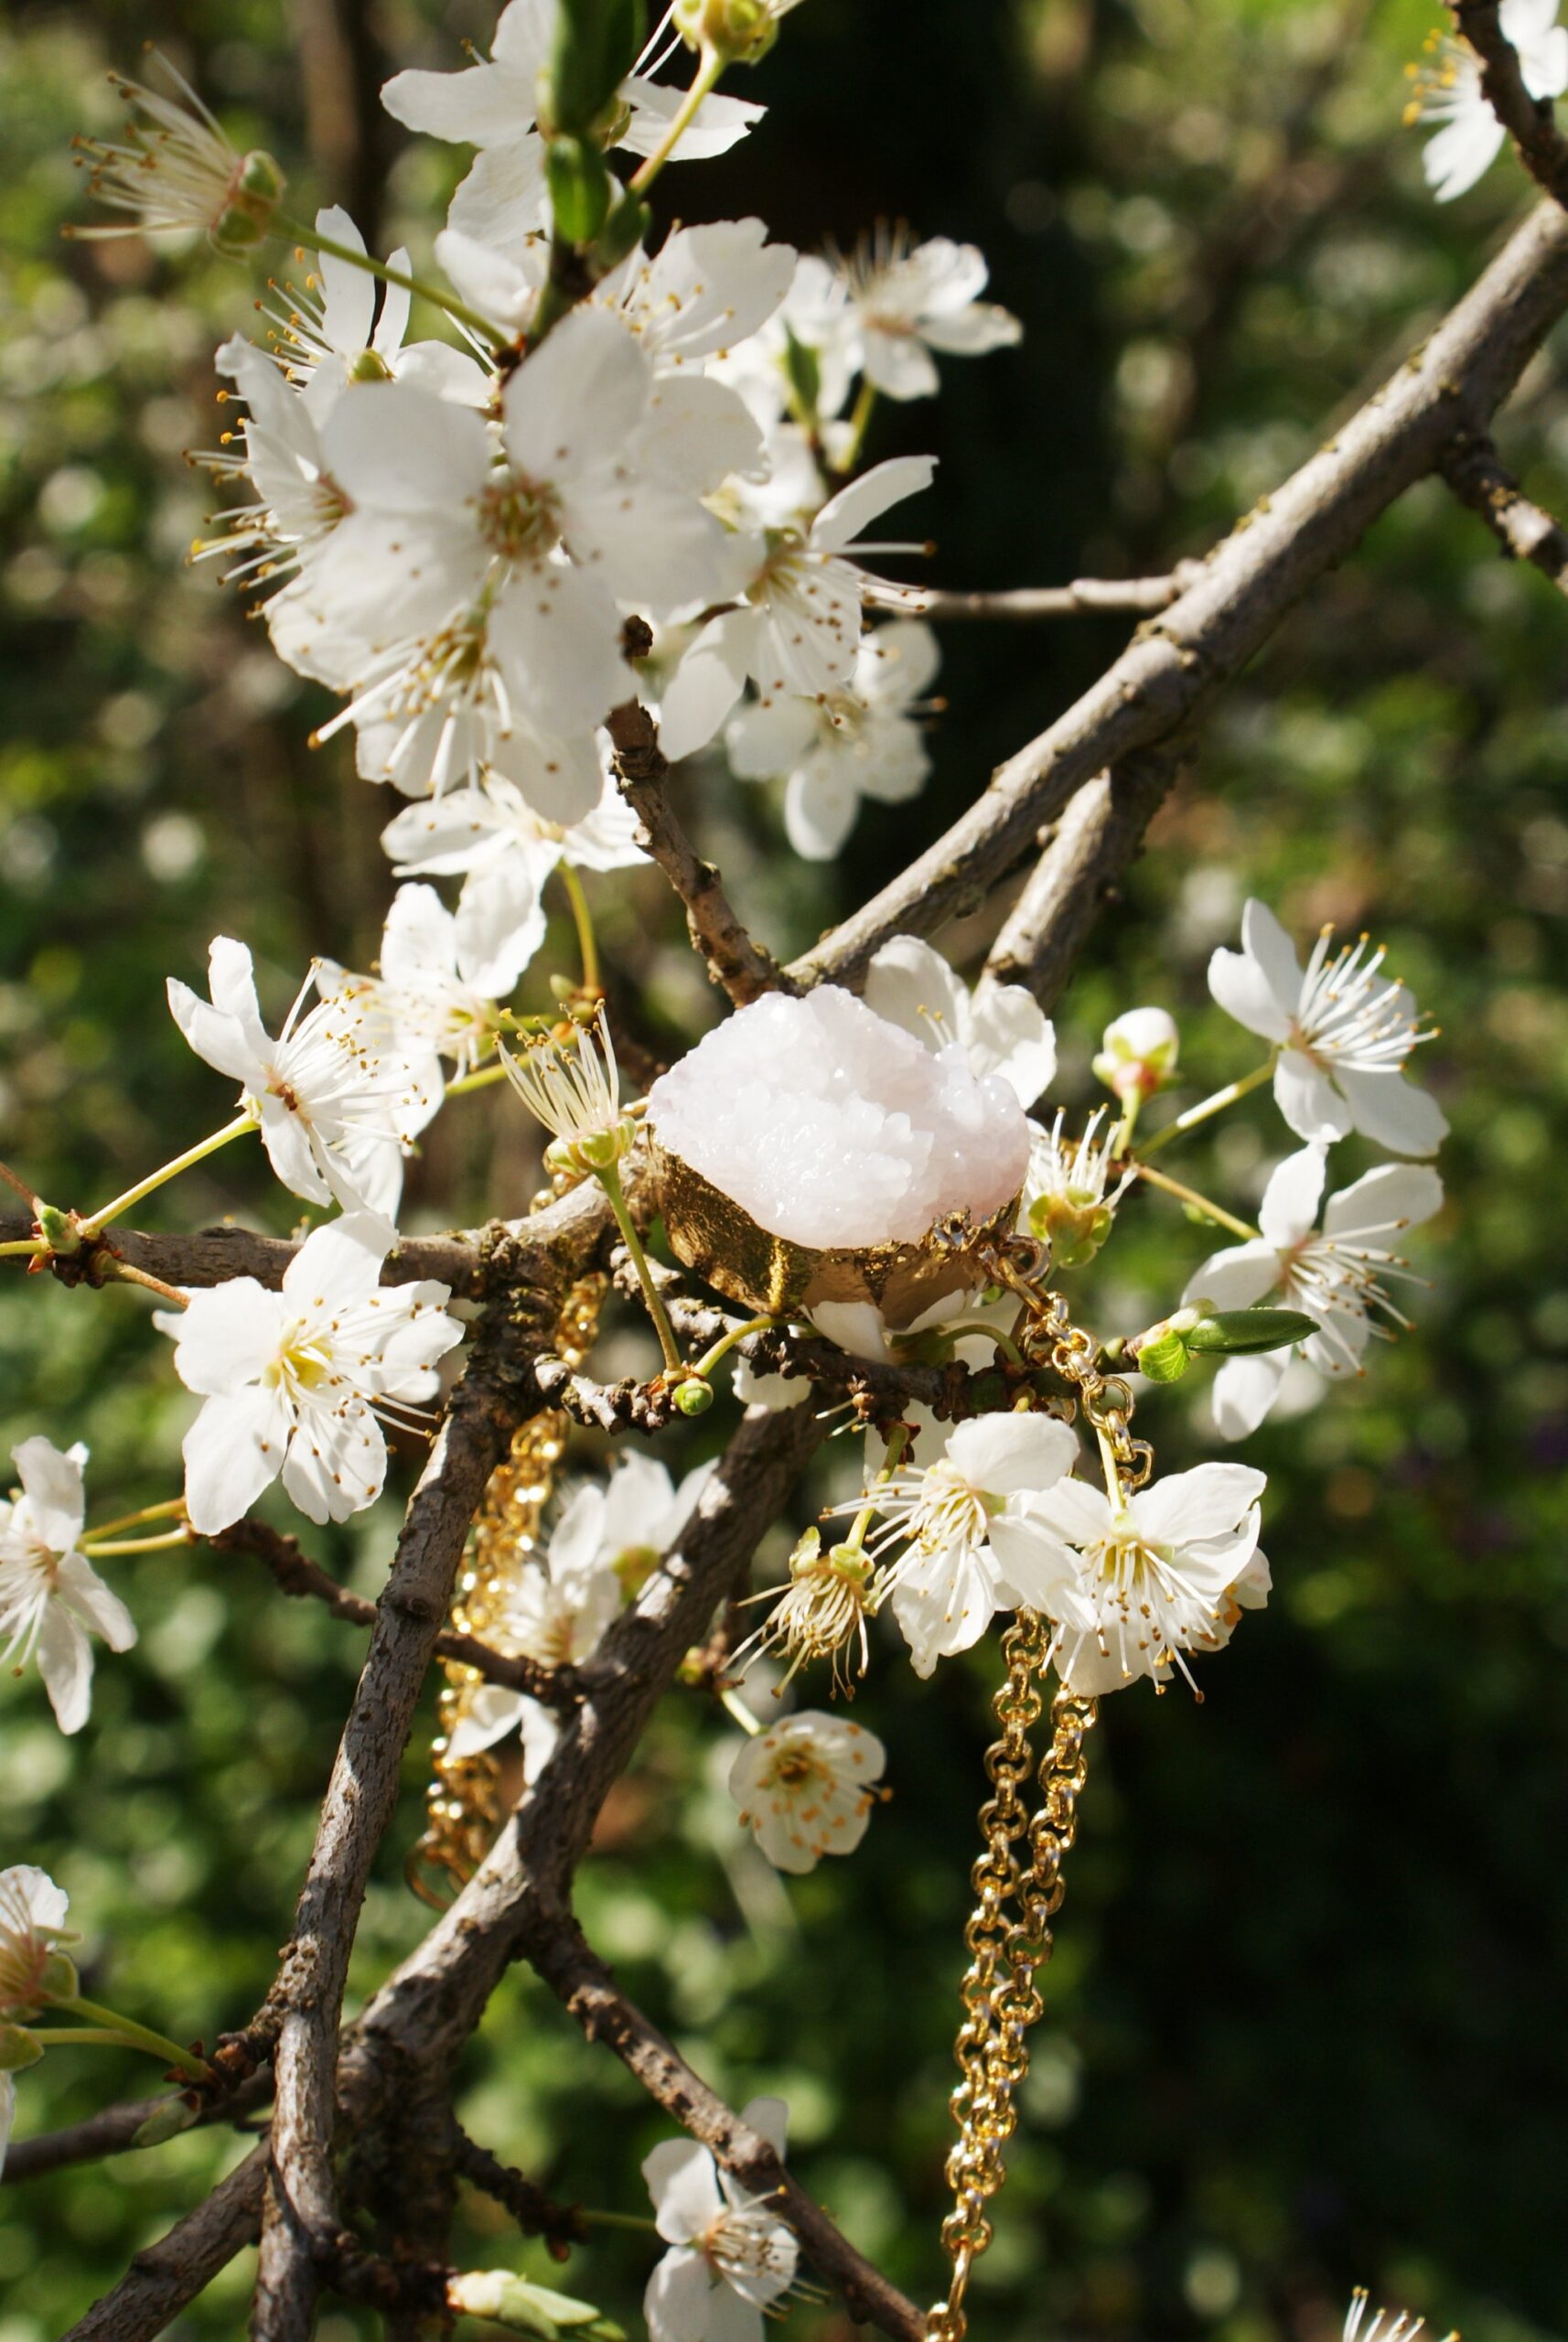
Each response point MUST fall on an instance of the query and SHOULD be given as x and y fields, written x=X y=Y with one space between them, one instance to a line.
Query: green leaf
x=804 y=374
x=597 y=43
x=1240 y=1333
x=510 y=2300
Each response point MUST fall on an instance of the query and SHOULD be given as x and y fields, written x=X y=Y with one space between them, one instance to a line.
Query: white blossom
x=731 y=2259
x=534 y=554
x=336 y=332
x=504 y=851
x=1138 y=1053
x=1336 y=1276
x=32 y=1930
x=799 y=630
x=176 y=171
x=1343 y=1033
x=805 y=1788
x=1401 y=2326
x=336 y=1098
x=297 y=1382
x=51 y=1599
x=865 y=740
x=966 y=1529
x=295 y=503
x=908 y=300
x=1002 y=1027
x=434 y=994
x=1449 y=93
x=573 y=1089
x=1069 y=1197
x=1134 y=1588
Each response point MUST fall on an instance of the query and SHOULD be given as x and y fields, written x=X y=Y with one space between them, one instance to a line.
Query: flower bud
x=1243 y=1333
x=1138 y=1053
x=740 y=31
x=694 y=1397
x=18 y=2047
x=527 y=2308
x=580 y=187
x=58 y=1230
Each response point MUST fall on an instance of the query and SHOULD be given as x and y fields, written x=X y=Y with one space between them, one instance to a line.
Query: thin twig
x=163 y=2277
x=1531 y=123
x=1085 y=597
x=1524 y=531
x=740 y=967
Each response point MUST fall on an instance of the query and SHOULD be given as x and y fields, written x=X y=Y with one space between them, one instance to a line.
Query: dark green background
x=1306 y=2015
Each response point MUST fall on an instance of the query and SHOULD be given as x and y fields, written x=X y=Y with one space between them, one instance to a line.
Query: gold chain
x=464 y=1801
x=1017 y=1880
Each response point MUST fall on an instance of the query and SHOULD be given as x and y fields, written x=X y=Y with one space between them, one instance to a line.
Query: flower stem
x=609 y=1180
x=1200 y=1203
x=181 y=1536
x=710 y=65
x=236 y=1129
x=15 y=1179
x=1207 y=1106
x=587 y=942
x=138 y=2036
x=734 y=1705
x=955 y=1327
x=313 y=239
x=858 y=423
x=892 y=1457
x=14 y=1247
x=615 y=2221
x=1121 y=1137
x=710 y=1359
x=134 y=1520
x=481 y=1080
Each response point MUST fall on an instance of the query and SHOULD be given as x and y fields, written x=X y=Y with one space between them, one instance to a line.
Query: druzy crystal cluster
x=831 y=1127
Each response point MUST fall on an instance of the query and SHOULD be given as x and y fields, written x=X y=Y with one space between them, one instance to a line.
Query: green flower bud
x=18 y=2048
x=694 y=1397
x=596 y=47
x=166 y=2120
x=1243 y=1333
x=740 y=31
x=580 y=186
x=527 y=2308
x=58 y=1230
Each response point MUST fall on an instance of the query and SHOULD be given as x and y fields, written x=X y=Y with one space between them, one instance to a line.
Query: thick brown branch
x=213 y=1256
x=536 y=2212
x=165 y=2276
x=1098 y=838
x=1524 y=531
x=735 y=962
x=1531 y=123
x=1085 y=597
x=555 y=1946
x=1178 y=663
x=297 y=1574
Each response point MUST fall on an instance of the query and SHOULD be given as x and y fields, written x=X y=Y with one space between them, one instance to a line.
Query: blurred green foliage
x=1304 y=2016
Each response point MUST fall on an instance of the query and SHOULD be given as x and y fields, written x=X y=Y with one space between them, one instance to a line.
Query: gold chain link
x=464 y=1801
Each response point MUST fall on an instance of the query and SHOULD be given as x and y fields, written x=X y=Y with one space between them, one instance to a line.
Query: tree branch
x=740 y=967
x=1531 y=123
x=1098 y=838
x=555 y=1946
x=1085 y=597
x=163 y=2277
x=1177 y=663
x=1524 y=531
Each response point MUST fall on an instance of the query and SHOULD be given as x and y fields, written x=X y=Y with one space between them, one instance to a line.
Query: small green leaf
x=803 y=373
x=580 y=188
x=1241 y=1333
x=510 y=2300
x=597 y=43
x=1165 y=1358
x=166 y=2120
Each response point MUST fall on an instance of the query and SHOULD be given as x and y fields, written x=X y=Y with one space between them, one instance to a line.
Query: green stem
x=15 y=1246
x=957 y=1326
x=1207 y=1106
x=481 y=1080
x=1200 y=1203
x=587 y=943
x=138 y=2036
x=236 y=1129
x=734 y=1705
x=314 y=239
x=610 y=1181
x=710 y=65
x=132 y=1520
x=710 y=1359
x=615 y=2221
x=892 y=1457
x=858 y=423
x=1122 y=1137
x=92 y=1548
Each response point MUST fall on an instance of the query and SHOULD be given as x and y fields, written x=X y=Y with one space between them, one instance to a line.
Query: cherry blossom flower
x=32 y=1930
x=1335 y=1276
x=435 y=995
x=335 y=1096
x=294 y=502
x=1449 y=93
x=835 y=748
x=805 y=1788
x=731 y=2259
x=1132 y=1588
x=334 y=334
x=297 y=1382
x=51 y=1599
x=966 y=1529
x=1343 y=1034
x=573 y=1089
x=908 y=300
x=1002 y=1027
x=178 y=172
x=1138 y=1054
x=1069 y=1201
x=800 y=629
x=539 y=550
x=504 y=852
